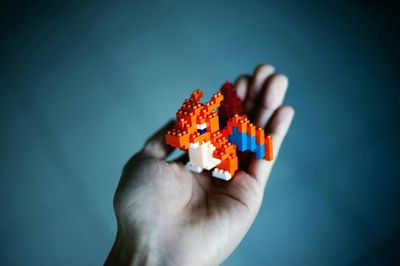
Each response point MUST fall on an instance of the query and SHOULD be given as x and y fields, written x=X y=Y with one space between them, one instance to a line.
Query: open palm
x=169 y=215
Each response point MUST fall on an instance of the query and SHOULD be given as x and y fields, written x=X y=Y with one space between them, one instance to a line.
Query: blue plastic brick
x=260 y=151
x=235 y=134
x=251 y=143
x=242 y=141
x=239 y=139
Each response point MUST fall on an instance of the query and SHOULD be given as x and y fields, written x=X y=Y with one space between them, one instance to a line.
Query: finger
x=278 y=126
x=273 y=93
x=242 y=85
x=156 y=146
x=261 y=74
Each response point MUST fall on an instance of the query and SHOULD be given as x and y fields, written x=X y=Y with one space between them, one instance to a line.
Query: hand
x=169 y=215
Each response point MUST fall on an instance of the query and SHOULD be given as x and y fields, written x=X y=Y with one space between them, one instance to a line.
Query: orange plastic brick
x=260 y=136
x=212 y=122
x=251 y=130
x=229 y=164
x=269 y=153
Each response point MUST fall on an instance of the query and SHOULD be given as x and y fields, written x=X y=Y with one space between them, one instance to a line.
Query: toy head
x=194 y=121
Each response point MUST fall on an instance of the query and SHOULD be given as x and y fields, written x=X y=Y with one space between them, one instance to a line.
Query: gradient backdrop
x=83 y=85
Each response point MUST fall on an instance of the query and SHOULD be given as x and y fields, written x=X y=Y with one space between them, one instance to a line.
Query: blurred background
x=84 y=84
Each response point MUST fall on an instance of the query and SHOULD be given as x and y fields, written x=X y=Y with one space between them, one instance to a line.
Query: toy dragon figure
x=198 y=130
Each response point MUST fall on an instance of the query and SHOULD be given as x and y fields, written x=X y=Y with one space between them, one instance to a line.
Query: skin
x=169 y=215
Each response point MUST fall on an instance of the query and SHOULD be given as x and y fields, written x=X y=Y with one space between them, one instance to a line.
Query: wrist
x=128 y=250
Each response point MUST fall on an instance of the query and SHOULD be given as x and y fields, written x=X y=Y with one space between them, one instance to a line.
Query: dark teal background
x=83 y=85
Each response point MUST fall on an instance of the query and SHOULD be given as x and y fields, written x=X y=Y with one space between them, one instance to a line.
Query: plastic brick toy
x=198 y=130
x=231 y=105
